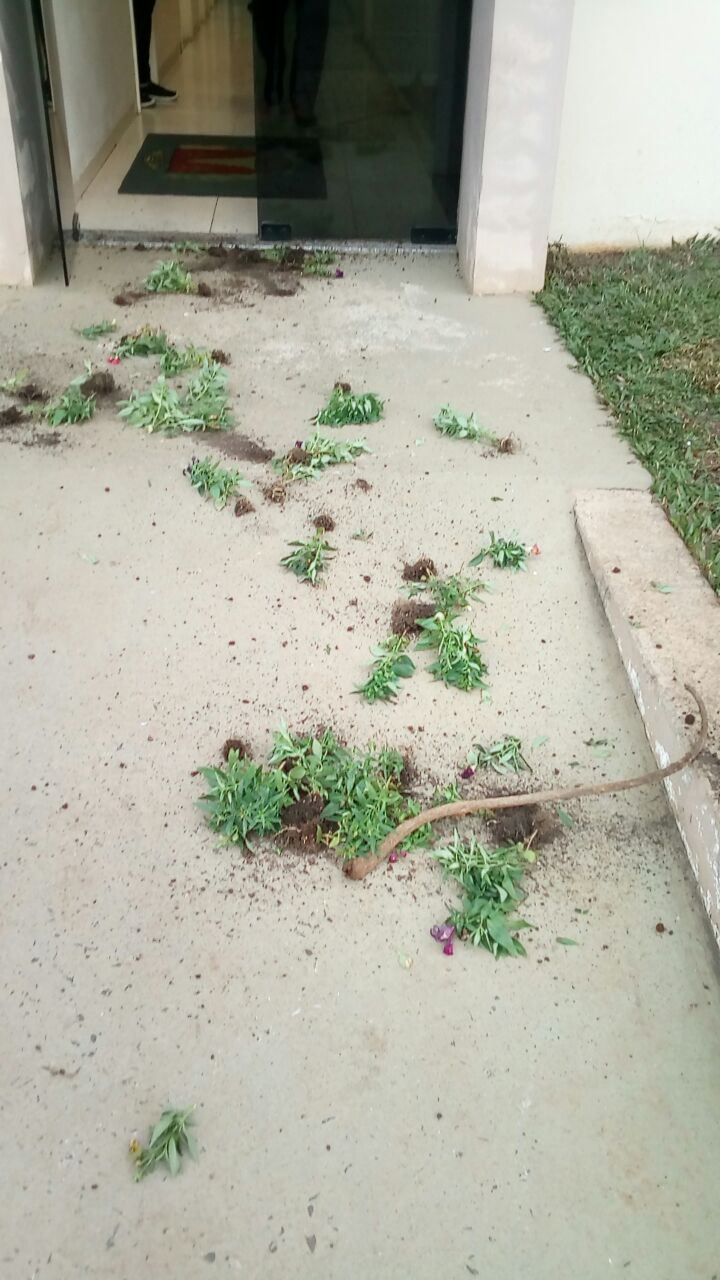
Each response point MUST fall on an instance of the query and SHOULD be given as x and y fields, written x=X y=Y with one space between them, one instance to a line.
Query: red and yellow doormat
x=217 y=161
x=174 y=164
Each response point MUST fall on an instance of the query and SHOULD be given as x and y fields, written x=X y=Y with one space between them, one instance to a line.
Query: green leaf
x=565 y=818
x=173 y=1158
x=567 y=942
x=663 y=587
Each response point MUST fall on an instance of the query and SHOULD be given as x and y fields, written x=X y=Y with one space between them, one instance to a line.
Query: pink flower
x=339 y=275
x=535 y=550
x=113 y=360
x=443 y=932
x=468 y=772
x=393 y=857
x=448 y=949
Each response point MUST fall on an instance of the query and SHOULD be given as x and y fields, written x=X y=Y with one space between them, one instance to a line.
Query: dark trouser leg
x=313 y=18
x=143 y=11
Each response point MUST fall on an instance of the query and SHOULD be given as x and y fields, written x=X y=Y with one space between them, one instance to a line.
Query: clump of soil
x=220 y=356
x=324 y=522
x=507 y=444
x=409 y=775
x=243 y=507
x=343 y=386
x=241 y=447
x=31 y=393
x=298 y=455
x=237 y=744
x=98 y=384
x=204 y=290
x=526 y=822
x=301 y=821
x=407 y=614
x=420 y=571
x=363 y=485
x=127 y=298
x=11 y=416
x=276 y=493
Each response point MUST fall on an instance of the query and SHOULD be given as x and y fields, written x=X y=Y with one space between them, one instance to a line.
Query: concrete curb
x=666 y=639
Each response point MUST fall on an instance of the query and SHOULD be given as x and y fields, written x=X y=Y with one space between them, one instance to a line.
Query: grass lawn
x=645 y=326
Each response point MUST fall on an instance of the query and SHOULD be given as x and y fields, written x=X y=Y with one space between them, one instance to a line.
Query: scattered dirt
x=99 y=384
x=237 y=744
x=220 y=356
x=363 y=485
x=517 y=826
x=324 y=521
x=407 y=614
x=250 y=268
x=420 y=571
x=128 y=297
x=276 y=493
x=43 y=440
x=11 y=416
x=204 y=290
x=301 y=822
x=243 y=507
x=240 y=447
x=343 y=386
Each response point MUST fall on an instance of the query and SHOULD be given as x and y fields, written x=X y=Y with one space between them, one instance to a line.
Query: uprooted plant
x=213 y=481
x=309 y=457
x=504 y=756
x=490 y=881
x=308 y=559
x=459 y=661
x=170 y=277
x=450 y=594
x=168 y=1142
x=148 y=341
x=73 y=405
x=203 y=407
x=505 y=553
x=463 y=426
x=318 y=263
x=361 y=790
x=100 y=329
x=392 y=664
x=345 y=409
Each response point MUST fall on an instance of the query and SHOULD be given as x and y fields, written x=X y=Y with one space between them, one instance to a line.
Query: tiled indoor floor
x=214 y=80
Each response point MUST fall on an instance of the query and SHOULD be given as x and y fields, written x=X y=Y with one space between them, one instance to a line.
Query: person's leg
x=143 y=11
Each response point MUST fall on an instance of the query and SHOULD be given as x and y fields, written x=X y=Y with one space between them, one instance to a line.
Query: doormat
x=189 y=164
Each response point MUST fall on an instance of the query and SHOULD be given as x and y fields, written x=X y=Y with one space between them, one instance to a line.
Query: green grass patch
x=644 y=327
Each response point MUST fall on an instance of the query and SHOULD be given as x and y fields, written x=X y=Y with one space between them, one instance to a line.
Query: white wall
x=97 y=75
x=639 y=153
x=512 y=131
x=28 y=226
x=167 y=33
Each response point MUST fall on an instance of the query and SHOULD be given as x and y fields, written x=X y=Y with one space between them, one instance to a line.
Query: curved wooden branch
x=358 y=868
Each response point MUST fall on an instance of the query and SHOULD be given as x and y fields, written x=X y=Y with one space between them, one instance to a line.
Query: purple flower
x=468 y=772
x=298 y=444
x=393 y=857
x=339 y=275
x=443 y=932
x=448 y=949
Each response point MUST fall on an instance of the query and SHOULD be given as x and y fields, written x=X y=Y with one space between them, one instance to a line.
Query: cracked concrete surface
x=366 y=1107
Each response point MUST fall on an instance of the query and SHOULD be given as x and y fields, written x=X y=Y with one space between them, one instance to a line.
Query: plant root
x=358 y=868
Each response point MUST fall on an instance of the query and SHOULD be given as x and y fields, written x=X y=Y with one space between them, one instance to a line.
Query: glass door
x=359 y=117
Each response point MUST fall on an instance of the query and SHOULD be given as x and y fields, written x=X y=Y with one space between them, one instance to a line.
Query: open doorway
x=295 y=119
